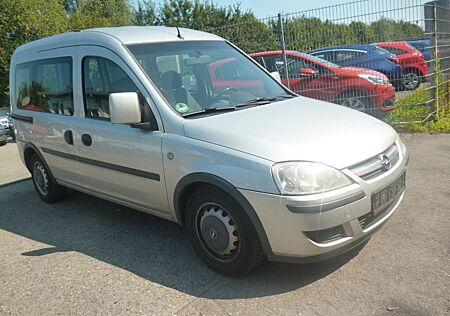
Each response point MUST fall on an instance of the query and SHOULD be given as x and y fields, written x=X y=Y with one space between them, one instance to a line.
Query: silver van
x=183 y=125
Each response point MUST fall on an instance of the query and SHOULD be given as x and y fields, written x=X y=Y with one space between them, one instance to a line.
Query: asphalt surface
x=85 y=256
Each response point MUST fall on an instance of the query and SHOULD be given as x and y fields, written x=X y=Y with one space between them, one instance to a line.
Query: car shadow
x=145 y=245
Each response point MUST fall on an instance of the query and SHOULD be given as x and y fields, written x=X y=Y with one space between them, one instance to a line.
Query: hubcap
x=354 y=103
x=40 y=178
x=411 y=80
x=218 y=232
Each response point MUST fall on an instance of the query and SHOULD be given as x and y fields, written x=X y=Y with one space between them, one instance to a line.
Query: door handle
x=86 y=139
x=68 y=137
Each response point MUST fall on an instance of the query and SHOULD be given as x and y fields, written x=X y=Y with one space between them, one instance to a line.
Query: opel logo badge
x=213 y=234
x=386 y=163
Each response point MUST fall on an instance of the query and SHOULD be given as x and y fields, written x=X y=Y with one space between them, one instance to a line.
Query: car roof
x=124 y=35
x=365 y=47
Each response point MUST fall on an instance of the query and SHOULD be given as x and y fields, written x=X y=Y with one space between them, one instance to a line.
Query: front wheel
x=221 y=233
x=411 y=79
x=47 y=189
x=355 y=100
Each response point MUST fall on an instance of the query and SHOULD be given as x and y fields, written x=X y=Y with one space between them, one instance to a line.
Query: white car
x=159 y=119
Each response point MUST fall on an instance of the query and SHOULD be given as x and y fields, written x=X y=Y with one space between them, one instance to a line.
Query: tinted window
x=394 y=51
x=101 y=77
x=45 y=86
x=347 y=55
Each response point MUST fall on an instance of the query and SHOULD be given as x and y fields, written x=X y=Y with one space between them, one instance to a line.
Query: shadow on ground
x=147 y=246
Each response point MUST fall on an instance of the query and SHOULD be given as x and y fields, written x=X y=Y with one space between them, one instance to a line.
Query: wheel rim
x=411 y=80
x=218 y=232
x=40 y=178
x=355 y=103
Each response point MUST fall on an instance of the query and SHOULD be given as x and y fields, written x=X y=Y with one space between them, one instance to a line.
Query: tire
x=411 y=79
x=221 y=233
x=356 y=100
x=13 y=135
x=3 y=143
x=47 y=189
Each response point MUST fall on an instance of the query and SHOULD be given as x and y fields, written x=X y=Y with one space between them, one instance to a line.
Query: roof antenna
x=179 y=34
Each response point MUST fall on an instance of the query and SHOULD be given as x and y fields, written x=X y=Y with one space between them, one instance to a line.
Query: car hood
x=296 y=129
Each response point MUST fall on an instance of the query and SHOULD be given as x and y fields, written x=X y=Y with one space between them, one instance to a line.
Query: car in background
x=311 y=76
x=3 y=136
x=4 y=122
x=423 y=46
x=12 y=131
x=367 y=56
x=415 y=68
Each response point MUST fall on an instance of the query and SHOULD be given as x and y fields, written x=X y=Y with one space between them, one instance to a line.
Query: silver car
x=183 y=125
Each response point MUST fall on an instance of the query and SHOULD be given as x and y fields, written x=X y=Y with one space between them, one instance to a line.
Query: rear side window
x=101 y=77
x=45 y=86
x=347 y=55
x=395 y=51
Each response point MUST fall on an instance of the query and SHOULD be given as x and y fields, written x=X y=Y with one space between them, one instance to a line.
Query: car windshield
x=206 y=76
x=318 y=59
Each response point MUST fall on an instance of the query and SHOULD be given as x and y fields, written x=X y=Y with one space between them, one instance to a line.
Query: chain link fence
x=390 y=59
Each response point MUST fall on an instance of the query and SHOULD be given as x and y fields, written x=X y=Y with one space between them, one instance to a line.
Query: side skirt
x=119 y=201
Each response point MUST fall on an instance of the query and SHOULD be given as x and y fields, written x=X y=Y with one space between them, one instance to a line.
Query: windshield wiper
x=211 y=110
x=263 y=100
x=256 y=101
x=251 y=102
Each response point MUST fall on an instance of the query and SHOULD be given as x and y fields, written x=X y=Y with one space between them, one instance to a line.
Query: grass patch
x=413 y=109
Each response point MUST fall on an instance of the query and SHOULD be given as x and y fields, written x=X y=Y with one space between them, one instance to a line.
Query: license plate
x=385 y=196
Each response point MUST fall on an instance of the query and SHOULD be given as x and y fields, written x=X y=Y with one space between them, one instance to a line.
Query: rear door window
x=45 y=86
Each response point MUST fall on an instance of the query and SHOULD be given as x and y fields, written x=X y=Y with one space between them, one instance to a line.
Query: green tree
x=145 y=14
x=22 y=21
x=83 y=14
x=385 y=30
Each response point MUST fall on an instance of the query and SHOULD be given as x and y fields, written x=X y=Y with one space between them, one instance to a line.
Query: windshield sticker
x=182 y=107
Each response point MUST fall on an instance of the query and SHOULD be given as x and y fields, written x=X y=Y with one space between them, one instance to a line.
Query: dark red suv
x=314 y=77
x=415 y=68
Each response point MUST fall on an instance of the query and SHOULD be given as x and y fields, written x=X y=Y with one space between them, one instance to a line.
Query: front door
x=118 y=161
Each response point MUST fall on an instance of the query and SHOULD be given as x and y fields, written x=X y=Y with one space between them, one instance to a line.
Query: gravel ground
x=86 y=256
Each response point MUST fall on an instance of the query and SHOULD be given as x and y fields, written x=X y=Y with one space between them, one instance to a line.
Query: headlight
x=374 y=79
x=296 y=178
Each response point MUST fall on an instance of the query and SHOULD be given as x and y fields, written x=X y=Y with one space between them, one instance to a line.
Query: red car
x=314 y=77
x=415 y=68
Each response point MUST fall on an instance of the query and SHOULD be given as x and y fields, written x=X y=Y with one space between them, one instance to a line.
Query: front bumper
x=317 y=227
x=383 y=97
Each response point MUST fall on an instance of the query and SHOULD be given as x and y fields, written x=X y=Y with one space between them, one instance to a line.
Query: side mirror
x=124 y=108
x=306 y=71
x=276 y=76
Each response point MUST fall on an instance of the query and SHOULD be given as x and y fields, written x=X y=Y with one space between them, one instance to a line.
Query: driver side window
x=101 y=77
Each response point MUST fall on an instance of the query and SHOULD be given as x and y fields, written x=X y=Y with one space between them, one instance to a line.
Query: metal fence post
x=437 y=68
x=283 y=48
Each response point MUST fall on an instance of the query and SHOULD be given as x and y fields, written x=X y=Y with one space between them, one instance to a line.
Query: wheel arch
x=189 y=183
x=414 y=68
x=28 y=151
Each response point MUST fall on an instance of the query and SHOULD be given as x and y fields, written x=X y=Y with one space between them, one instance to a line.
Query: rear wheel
x=221 y=233
x=47 y=189
x=356 y=100
x=411 y=79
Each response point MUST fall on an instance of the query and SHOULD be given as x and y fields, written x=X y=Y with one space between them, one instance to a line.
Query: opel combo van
x=252 y=170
